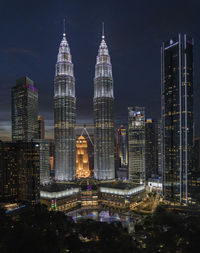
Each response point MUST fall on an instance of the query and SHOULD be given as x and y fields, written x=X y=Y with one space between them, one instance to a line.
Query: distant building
x=45 y=165
x=20 y=172
x=136 y=144
x=8 y=172
x=82 y=160
x=24 y=110
x=52 y=155
x=150 y=149
x=159 y=140
x=122 y=146
x=177 y=117
x=41 y=128
x=87 y=131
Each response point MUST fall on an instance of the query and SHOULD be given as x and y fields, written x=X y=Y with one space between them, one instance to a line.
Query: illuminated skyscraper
x=24 y=109
x=64 y=115
x=136 y=144
x=103 y=116
x=177 y=117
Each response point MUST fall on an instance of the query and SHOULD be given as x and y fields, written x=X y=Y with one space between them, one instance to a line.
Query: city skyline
x=134 y=45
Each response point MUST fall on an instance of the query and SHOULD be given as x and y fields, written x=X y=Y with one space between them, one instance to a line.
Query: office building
x=103 y=102
x=151 y=149
x=45 y=160
x=136 y=144
x=8 y=172
x=24 y=110
x=20 y=172
x=177 y=117
x=64 y=115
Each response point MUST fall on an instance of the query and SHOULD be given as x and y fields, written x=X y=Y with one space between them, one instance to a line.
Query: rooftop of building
x=58 y=186
x=119 y=184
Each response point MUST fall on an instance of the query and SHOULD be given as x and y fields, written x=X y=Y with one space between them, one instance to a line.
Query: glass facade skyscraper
x=64 y=115
x=24 y=110
x=103 y=116
x=177 y=117
x=136 y=144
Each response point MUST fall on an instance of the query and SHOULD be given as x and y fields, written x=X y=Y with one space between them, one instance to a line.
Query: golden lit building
x=82 y=162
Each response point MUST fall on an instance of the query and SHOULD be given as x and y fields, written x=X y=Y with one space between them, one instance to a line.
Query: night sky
x=31 y=32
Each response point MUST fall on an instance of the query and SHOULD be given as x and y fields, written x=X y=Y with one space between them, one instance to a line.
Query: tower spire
x=103 y=36
x=63 y=26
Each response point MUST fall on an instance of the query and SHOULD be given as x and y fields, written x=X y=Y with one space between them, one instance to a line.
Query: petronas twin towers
x=65 y=115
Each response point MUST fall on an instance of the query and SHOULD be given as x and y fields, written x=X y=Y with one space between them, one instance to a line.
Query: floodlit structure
x=64 y=115
x=177 y=117
x=103 y=115
x=82 y=161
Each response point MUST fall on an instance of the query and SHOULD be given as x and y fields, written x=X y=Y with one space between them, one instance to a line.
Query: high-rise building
x=150 y=148
x=136 y=144
x=20 y=172
x=158 y=133
x=64 y=115
x=177 y=117
x=41 y=129
x=103 y=103
x=8 y=172
x=45 y=166
x=82 y=160
x=122 y=146
x=24 y=109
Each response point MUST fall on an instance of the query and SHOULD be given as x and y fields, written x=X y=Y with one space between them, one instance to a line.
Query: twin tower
x=65 y=115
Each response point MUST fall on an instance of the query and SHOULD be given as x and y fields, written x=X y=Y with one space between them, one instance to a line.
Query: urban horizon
x=140 y=90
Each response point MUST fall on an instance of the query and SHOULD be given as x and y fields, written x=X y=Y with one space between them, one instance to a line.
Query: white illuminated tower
x=103 y=115
x=64 y=115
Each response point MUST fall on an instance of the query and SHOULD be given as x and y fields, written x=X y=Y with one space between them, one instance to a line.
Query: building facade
x=20 y=172
x=177 y=117
x=64 y=115
x=103 y=102
x=136 y=144
x=45 y=161
x=24 y=110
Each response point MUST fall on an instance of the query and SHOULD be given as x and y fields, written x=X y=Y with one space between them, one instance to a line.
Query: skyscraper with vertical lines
x=64 y=115
x=177 y=117
x=103 y=115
